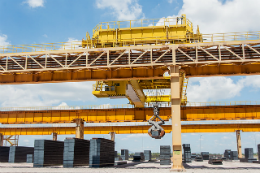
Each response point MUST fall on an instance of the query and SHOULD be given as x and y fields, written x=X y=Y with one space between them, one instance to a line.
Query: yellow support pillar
x=54 y=136
x=112 y=134
x=1 y=139
x=176 y=120
x=239 y=149
x=79 y=128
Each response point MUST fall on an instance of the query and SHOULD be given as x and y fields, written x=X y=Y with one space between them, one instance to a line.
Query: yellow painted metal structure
x=103 y=115
x=144 y=31
x=137 y=97
x=207 y=128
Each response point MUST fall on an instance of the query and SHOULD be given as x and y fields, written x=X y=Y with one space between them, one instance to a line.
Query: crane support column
x=54 y=136
x=239 y=150
x=112 y=134
x=79 y=128
x=176 y=120
x=1 y=139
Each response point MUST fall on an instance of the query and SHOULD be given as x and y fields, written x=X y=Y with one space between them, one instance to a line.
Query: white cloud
x=35 y=3
x=3 y=40
x=215 y=16
x=122 y=10
x=44 y=94
x=213 y=88
x=45 y=35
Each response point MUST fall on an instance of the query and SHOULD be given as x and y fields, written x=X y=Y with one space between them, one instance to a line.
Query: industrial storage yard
x=148 y=63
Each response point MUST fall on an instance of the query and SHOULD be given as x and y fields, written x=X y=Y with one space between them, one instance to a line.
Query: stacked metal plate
x=198 y=158
x=187 y=153
x=18 y=154
x=233 y=155
x=227 y=154
x=124 y=154
x=205 y=155
x=4 y=153
x=165 y=155
x=249 y=155
x=147 y=155
x=138 y=157
x=29 y=158
x=193 y=156
x=76 y=152
x=101 y=152
x=258 y=146
x=48 y=153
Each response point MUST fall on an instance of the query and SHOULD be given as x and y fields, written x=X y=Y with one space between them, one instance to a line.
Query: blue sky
x=45 y=21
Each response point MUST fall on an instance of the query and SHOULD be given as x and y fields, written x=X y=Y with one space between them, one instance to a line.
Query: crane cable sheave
x=156 y=131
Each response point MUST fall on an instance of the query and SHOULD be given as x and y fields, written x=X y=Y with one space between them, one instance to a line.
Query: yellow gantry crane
x=133 y=90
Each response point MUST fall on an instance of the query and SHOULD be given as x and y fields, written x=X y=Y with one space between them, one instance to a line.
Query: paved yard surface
x=145 y=167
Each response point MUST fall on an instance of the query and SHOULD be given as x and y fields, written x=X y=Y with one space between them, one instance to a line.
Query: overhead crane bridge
x=127 y=57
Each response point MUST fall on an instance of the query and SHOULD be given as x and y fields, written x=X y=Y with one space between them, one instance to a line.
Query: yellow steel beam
x=208 y=128
x=82 y=75
x=192 y=113
x=223 y=70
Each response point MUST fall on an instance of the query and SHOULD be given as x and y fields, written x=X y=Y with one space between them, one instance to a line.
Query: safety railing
x=108 y=106
x=74 y=45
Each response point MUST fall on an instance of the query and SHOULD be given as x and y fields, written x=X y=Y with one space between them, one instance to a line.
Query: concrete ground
x=145 y=167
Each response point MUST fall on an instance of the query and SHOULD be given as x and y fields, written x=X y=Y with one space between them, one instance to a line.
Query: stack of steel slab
x=101 y=152
x=205 y=155
x=249 y=155
x=187 y=153
x=233 y=155
x=138 y=157
x=18 y=154
x=198 y=158
x=258 y=146
x=4 y=153
x=124 y=154
x=147 y=155
x=29 y=158
x=227 y=154
x=165 y=155
x=193 y=156
x=76 y=152
x=215 y=161
x=48 y=153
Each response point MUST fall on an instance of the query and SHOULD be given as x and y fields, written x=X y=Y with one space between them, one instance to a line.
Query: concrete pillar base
x=178 y=169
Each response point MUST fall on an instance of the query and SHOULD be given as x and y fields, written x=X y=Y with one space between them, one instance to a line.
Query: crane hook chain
x=156 y=131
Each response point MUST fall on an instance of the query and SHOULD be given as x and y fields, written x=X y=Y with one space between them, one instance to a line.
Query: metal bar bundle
x=19 y=154
x=101 y=152
x=187 y=153
x=29 y=158
x=48 y=153
x=138 y=157
x=147 y=155
x=4 y=153
x=165 y=155
x=76 y=152
x=124 y=154
x=205 y=155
